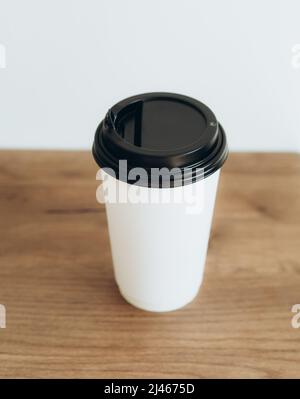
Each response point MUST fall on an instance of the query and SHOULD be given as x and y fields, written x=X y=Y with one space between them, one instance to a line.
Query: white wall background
x=68 y=61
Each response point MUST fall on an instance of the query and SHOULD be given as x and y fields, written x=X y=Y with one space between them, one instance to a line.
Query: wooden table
x=66 y=318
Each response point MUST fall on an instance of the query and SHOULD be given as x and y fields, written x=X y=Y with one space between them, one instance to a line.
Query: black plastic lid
x=161 y=130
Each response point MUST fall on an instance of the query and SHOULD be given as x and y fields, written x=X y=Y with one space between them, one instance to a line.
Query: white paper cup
x=159 y=249
x=159 y=234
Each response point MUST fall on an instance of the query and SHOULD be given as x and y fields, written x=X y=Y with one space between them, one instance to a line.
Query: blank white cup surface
x=159 y=249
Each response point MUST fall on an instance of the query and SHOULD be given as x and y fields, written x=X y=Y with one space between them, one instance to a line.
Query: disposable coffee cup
x=160 y=156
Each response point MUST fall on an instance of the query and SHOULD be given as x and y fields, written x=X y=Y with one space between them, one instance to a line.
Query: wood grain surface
x=66 y=318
